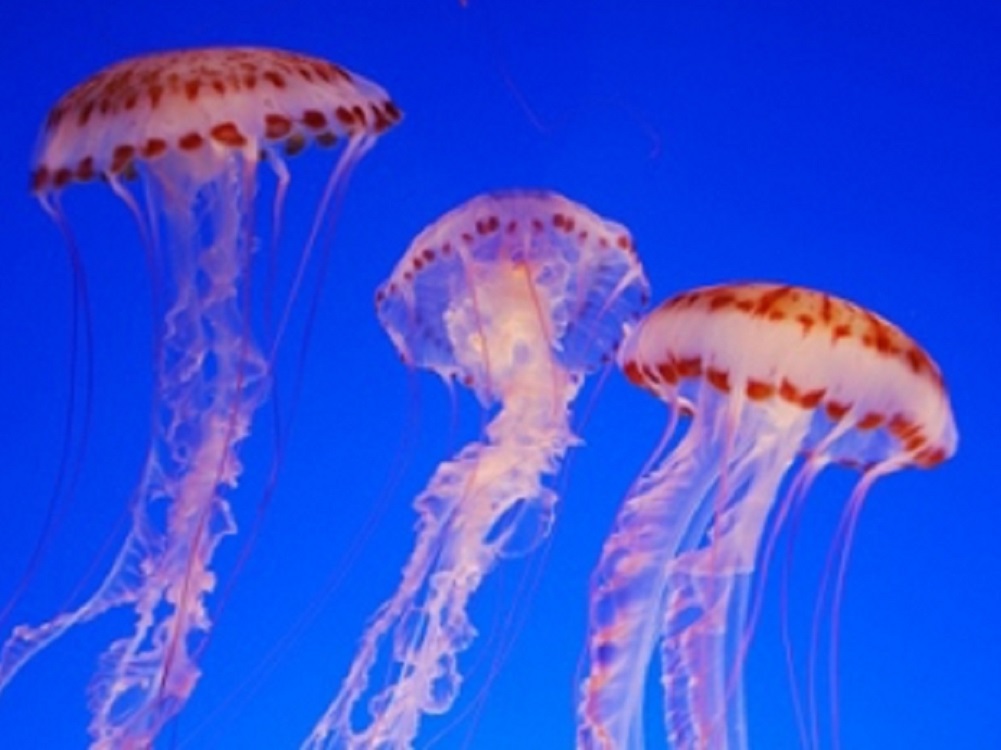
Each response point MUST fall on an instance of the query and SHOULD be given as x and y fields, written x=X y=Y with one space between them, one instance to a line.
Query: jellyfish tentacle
x=463 y=532
x=326 y=211
x=458 y=544
x=212 y=380
x=709 y=587
x=630 y=574
x=72 y=449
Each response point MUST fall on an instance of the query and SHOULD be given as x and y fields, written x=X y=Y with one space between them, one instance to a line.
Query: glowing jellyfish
x=193 y=126
x=768 y=373
x=517 y=295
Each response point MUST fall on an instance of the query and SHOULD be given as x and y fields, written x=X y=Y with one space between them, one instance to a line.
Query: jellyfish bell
x=517 y=295
x=552 y=264
x=192 y=126
x=199 y=107
x=769 y=373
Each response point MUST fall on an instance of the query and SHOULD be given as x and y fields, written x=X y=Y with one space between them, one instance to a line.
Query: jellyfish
x=777 y=380
x=516 y=295
x=192 y=126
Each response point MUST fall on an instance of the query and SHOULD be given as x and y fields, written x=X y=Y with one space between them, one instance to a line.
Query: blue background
x=852 y=147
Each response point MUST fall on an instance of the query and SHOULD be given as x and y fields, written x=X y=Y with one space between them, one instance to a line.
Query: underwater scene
x=500 y=375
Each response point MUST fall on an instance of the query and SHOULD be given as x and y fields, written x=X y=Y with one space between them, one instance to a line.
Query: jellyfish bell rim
x=298 y=100
x=923 y=426
x=473 y=235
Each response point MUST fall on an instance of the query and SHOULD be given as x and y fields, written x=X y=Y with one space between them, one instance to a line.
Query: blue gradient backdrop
x=852 y=147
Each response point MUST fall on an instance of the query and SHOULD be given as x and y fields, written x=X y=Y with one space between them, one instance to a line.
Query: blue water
x=852 y=149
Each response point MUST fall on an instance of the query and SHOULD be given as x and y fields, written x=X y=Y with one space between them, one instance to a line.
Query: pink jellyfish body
x=767 y=373
x=193 y=127
x=517 y=295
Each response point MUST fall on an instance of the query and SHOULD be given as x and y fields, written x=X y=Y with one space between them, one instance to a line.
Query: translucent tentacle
x=211 y=379
x=628 y=585
x=706 y=610
x=487 y=503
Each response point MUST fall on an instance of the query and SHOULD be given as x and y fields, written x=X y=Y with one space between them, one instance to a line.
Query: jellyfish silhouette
x=517 y=295
x=193 y=126
x=768 y=373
